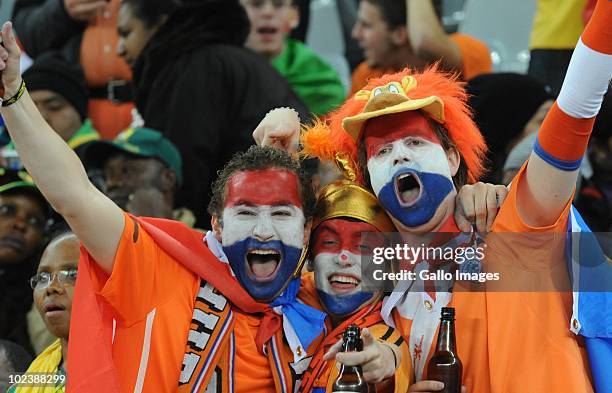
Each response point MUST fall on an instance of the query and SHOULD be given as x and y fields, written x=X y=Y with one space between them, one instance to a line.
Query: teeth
x=264 y=252
x=344 y=279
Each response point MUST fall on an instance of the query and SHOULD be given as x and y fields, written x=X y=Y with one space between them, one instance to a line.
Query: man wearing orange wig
x=416 y=143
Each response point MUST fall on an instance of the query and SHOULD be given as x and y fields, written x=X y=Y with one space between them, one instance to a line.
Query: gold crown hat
x=346 y=197
x=389 y=99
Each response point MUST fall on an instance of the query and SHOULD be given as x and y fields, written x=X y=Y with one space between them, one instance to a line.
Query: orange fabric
x=110 y=118
x=101 y=64
x=596 y=36
x=475 y=56
x=569 y=145
x=253 y=373
x=171 y=299
x=510 y=342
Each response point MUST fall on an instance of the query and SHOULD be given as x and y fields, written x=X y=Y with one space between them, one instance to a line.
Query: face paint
x=263 y=230
x=409 y=169
x=337 y=252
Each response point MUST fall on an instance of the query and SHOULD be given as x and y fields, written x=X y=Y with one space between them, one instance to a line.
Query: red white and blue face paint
x=408 y=167
x=338 y=250
x=263 y=230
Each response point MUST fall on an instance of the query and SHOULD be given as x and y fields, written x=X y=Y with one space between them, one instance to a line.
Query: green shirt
x=314 y=81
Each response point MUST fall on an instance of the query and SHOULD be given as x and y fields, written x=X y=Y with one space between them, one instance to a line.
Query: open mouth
x=267 y=33
x=408 y=189
x=52 y=309
x=343 y=283
x=263 y=264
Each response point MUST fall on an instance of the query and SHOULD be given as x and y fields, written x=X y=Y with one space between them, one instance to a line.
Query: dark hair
x=257 y=158
x=394 y=11
x=460 y=178
x=151 y=11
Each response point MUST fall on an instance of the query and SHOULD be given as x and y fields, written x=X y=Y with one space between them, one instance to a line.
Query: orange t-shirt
x=519 y=341
x=152 y=297
x=475 y=59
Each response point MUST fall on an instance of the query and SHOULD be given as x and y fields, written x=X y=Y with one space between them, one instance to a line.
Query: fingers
x=464 y=214
x=355 y=358
x=501 y=192
x=8 y=38
x=333 y=350
x=491 y=206
x=463 y=389
x=426 y=386
x=368 y=339
x=480 y=206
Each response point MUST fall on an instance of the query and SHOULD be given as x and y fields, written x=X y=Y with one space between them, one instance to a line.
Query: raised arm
x=552 y=169
x=428 y=39
x=56 y=169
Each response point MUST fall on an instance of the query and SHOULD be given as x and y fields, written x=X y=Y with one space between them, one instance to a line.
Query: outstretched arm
x=56 y=169
x=428 y=39
x=552 y=169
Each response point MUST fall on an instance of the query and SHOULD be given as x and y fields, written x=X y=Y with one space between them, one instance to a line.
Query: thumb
x=8 y=38
x=462 y=222
x=368 y=339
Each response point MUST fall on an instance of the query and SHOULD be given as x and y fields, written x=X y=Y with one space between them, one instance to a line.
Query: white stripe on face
x=284 y=223
x=415 y=153
x=344 y=267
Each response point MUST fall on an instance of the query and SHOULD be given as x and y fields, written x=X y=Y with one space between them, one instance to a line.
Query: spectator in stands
x=59 y=92
x=142 y=172
x=507 y=107
x=396 y=34
x=85 y=32
x=23 y=213
x=557 y=25
x=53 y=284
x=197 y=84
x=13 y=360
x=315 y=81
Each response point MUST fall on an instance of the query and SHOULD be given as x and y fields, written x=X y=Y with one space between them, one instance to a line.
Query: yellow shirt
x=557 y=24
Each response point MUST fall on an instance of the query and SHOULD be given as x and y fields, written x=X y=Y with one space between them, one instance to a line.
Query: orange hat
x=438 y=95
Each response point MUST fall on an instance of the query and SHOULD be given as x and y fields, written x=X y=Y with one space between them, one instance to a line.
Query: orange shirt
x=475 y=59
x=516 y=341
x=152 y=297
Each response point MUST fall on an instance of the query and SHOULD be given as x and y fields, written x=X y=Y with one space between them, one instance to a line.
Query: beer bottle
x=350 y=378
x=445 y=365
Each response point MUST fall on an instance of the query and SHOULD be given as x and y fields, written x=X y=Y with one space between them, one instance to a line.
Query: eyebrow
x=328 y=229
x=244 y=202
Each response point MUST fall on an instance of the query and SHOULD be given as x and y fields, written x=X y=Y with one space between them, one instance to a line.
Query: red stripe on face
x=337 y=234
x=383 y=130
x=265 y=187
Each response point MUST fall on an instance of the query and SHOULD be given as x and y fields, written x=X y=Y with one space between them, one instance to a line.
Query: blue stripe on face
x=262 y=291
x=435 y=188
x=343 y=305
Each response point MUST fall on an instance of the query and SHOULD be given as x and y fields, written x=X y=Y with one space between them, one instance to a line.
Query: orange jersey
x=507 y=341
x=152 y=297
x=475 y=60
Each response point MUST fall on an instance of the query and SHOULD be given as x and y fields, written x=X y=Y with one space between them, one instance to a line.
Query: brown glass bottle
x=445 y=365
x=350 y=378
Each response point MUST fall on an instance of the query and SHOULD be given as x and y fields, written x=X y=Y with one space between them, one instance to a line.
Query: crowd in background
x=155 y=96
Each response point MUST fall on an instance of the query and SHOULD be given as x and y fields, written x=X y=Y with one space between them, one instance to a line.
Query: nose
x=344 y=259
x=356 y=32
x=113 y=181
x=267 y=8
x=19 y=223
x=55 y=286
x=401 y=155
x=263 y=230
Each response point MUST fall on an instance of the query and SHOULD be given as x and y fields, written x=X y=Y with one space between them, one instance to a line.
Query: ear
x=217 y=228
x=168 y=180
x=399 y=36
x=294 y=17
x=454 y=160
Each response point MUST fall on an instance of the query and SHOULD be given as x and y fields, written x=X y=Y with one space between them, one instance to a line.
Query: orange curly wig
x=324 y=140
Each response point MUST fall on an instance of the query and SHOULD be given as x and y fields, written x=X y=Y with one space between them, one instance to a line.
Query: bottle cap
x=448 y=312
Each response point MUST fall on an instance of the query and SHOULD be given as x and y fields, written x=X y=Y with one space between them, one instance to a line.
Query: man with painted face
x=159 y=306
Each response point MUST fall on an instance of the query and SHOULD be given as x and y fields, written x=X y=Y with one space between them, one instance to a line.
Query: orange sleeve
x=509 y=220
x=474 y=55
x=143 y=276
x=596 y=36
